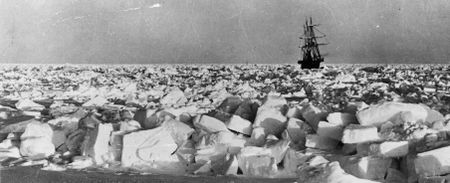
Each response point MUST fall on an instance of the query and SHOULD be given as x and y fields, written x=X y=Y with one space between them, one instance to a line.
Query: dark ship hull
x=310 y=64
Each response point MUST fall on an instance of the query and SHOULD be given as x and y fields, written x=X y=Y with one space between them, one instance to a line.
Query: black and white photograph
x=232 y=91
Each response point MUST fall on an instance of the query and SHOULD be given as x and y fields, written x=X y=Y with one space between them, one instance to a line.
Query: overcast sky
x=221 y=31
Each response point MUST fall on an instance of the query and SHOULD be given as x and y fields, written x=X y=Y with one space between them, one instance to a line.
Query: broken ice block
x=342 y=119
x=174 y=97
x=241 y=125
x=279 y=149
x=297 y=130
x=36 y=141
x=294 y=112
x=330 y=130
x=29 y=105
x=313 y=115
x=390 y=149
x=359 y=134
x=209 y=124
x=320 y=142
x=270 y=115
x=151 y=150
x=373 y=168
x=228 y=165
x=230 y=104
x=434 y=162
x=96 y=144
x=292 y=160
x=271 y=120
x=258 y=137
x=180 y=131
x=376 y=115
x=247 y=110
x=254 y=161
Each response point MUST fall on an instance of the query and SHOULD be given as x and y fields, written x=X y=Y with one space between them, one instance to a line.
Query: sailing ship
x=310 y=49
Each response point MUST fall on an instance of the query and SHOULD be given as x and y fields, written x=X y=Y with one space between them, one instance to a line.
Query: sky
x=221 y=31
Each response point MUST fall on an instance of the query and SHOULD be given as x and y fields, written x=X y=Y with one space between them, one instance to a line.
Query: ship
x=310 y=48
